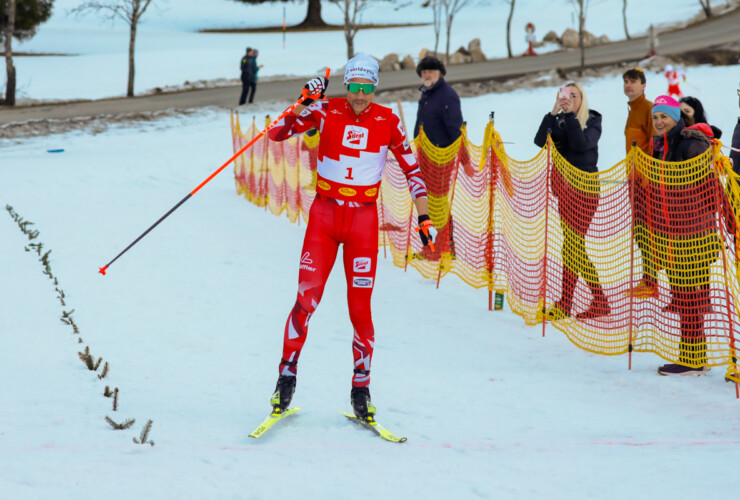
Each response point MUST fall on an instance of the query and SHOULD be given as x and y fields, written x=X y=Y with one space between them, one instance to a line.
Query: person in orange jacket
x=639 y=126
x=639 y=129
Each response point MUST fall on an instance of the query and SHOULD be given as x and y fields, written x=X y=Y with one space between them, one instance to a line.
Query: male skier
x=356 y=135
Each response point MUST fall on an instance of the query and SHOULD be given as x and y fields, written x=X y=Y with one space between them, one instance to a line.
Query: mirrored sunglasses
x=367 y=88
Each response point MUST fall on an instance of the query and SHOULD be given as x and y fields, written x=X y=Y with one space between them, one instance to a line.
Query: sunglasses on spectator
x=367 y=88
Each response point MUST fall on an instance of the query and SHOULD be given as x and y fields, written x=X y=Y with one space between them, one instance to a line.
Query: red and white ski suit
x=674 y=79
x=351 y=160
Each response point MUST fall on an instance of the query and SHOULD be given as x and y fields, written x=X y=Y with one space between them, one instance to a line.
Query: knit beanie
x=431 y=62
x=669 y=106
x=361 y=66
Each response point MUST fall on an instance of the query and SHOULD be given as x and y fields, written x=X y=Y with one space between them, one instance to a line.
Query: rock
x=588 y=39
x=408 y=63
x=457 y=58
x=604 y=39
x=390 y=63
x=569 y=38
x=424 y=53
x=475 y=51
x=551 y=37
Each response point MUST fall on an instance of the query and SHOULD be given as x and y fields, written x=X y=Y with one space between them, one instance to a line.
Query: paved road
x=712 y=32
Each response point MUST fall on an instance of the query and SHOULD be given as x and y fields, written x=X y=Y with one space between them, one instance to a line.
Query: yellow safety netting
x=570 y=248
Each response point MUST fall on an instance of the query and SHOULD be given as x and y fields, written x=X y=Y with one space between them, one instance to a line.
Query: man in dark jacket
x=439 y=105
x=249 y=76
x=735 y=152
x=440 y=116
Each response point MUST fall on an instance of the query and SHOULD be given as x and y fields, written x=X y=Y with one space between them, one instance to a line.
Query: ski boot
x=363 y=408
x=284 y=390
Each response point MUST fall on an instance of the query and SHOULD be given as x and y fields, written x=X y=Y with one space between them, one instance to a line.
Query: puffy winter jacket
x=682 y=143
x=734 y=154
x=578 y=146
x=439 y=113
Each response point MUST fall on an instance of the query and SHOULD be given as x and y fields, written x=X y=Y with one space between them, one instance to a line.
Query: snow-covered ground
x=191 y=319
x=170 y=51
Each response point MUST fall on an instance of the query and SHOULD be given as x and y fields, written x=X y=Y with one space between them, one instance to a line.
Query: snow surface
x=170 y=51
x=191 y=322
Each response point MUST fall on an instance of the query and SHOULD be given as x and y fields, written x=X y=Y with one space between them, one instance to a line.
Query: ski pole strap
x=288 y=363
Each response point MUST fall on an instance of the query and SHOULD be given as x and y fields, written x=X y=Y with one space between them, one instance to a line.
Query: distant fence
x=538 y=228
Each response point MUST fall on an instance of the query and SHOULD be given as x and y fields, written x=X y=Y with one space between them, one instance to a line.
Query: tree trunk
x=449 y=30
x=313 y=15
x=581 y=22
x=9 y=68
x=508 y=28
x=624 y=20
x=131 y=45
x=706 y=6
x=349 y=33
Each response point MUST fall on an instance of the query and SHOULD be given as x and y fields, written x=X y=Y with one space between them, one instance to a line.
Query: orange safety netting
x=582 y=254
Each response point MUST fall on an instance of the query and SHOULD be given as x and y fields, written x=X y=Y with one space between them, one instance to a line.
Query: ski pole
x=304 y=95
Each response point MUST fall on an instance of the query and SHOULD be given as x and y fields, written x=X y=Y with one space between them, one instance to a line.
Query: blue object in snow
x=61 y=150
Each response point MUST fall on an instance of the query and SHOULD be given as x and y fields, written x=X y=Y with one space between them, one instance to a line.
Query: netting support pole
x=632 y=253
x=382 y=219
x=408 y=239
x=492 y=177
x=266 y=168
x=543 y=292
x=720 y=210
x=449 y=206
x=298 y=181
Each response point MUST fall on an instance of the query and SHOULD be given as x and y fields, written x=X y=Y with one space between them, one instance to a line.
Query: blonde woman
x=575 y=130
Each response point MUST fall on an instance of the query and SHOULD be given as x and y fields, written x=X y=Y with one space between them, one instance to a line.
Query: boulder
x=569 y=38
x=408 y=63
x=551 y=37
x=475 y=51
x=390 y=63
x=458 y=58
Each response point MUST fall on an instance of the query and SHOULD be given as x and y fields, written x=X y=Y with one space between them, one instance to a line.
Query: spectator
x=735 y=152
x=249 y=69
x=639 y=127
x=439 y=105
x=440 y=116
x=692 y=112
x=575 y=130
x=685 y=214
x=674 y=78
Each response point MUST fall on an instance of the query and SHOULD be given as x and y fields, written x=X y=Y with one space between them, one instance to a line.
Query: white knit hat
x=361 y=66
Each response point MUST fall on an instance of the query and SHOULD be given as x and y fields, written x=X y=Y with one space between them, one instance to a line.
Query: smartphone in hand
x=565 y=92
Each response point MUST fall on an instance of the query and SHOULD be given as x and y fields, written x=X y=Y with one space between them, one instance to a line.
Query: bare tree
x=581 y=8
x=131 y=12
x=9 y=67
x=706 y=6
x=351 y=9
x=437 y=13
x=508 y=25
x=624 y=19
x=451 y=8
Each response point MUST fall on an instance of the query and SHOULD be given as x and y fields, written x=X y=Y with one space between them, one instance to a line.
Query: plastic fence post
x=543 y=293
x=382 y=219
x=633 y=152
x=408 y=239
x=492 y=178
x=726 y=285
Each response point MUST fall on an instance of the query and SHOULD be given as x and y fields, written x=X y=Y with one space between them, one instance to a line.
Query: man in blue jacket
x=440 y=116
x=439 y=106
